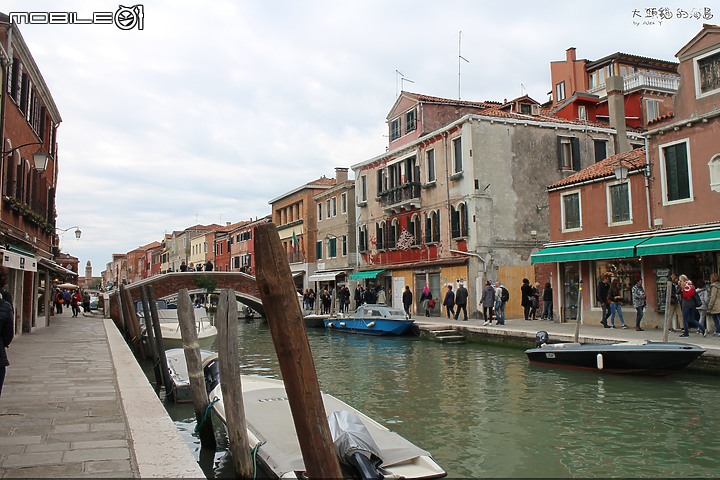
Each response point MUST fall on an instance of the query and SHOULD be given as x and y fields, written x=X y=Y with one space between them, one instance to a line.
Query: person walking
x=461 y=297
x=615 y=298
x=59 y=301
x=7 y=327
x=381 y=298
x=407 y=299
x=75 y=300
x=602 y=295
x=675 y=312
x=703 y=293
x=535 y=300
x=358 y=296
x=449 y=302
x=638 y=299
x=527 y=297
x=499 y=310
x=86 y=302
x=688 y=305
x=713 y=307
x=425 y=298
x=547 y=298
x=488 y=302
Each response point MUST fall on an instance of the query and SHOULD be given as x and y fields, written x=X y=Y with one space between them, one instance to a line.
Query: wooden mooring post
x=155 y=357
x=131 y=321
x=231 y=385
x=193 y=359
x=284 y=318
x=169 y=393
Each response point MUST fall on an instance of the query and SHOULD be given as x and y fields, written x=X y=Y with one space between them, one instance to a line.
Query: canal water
x=483 y=411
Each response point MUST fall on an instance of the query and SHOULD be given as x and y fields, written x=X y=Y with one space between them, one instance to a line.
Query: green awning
x=587 y=251
x=681 y=243
x=365 y=274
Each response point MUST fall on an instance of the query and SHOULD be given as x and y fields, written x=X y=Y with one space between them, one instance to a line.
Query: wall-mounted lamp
x=40 y=158
x=78 y=232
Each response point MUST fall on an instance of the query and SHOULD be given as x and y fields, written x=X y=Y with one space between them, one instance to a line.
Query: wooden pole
x=668 y=298
x=231 y=385
x=151 y=338
x=193 y=359
x=169 y=393
x=576 y=338
x=132 y=321
x=284 y=318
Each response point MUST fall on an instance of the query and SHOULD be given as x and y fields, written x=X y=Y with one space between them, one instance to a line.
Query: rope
x=206 y=414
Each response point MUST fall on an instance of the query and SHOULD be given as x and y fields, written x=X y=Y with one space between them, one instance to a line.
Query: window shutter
x=576 y=154
x=559 y=153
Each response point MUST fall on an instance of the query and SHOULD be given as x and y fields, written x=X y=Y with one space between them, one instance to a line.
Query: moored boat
x=634 y=357
x=272 y=436
x=170 y=326
x=372 y=319
x=177 y=367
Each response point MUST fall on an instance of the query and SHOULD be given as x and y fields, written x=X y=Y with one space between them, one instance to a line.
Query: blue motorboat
x=372 y=319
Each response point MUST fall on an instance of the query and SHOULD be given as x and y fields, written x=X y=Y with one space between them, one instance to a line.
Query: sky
x=214 y=108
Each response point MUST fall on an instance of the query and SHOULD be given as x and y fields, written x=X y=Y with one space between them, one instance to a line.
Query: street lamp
x=77 y=231
x=40 y=158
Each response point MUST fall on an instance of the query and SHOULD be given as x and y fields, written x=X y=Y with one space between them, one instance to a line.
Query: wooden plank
x=284 y=318
x=169 y=393
x=231 y=385
x=193 y=360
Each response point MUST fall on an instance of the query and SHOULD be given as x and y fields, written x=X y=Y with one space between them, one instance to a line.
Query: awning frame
x=325 y=276
x=366 y=274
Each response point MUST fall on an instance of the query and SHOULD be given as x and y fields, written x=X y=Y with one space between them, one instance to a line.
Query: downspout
x=647 y=184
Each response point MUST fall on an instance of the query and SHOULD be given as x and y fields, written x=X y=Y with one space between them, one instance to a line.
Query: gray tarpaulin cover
x=350 y=435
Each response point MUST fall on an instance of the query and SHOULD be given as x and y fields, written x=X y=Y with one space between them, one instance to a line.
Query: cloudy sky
x=214 y=108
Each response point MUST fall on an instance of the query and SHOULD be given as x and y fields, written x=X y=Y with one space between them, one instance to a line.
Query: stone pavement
x=76 y=404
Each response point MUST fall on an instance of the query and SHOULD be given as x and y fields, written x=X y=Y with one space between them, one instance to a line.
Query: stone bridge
x=166 y=286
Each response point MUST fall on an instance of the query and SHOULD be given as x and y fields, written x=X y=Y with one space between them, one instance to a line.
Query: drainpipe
x=647 y=184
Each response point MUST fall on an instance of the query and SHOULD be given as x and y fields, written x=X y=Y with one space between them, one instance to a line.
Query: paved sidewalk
x=76 y=404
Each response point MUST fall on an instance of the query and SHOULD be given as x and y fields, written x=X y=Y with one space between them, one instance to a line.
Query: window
x=332 y=247
x=395 y=129
x=582 y=112
x=652 y=109
x=318 y=250
x=381 y=181
x=568 y=153
x=393 y=233
x=600 y=150
x=410 y=121
x=430 y=165
x=459 y=221
x=707 y=74
x=380 y=233
x=319 y=211
x=333 y=206
x=570 y=211
x=619 y=204
x=457 y=155
x=714 y=165
x=343 y=203
x=363 y=188
x=414 y=229
x=675 y=170
x=432 y=227
x=343 y=243
x=362 y=238
x=560 y=92
x=328 y=210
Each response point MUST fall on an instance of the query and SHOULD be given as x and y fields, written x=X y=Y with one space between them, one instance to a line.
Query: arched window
x=714 y=165
x=393 y=233
x=414 y=229
x=435 y=226
x=362 y=238
x=459 y=221
x=381 y=235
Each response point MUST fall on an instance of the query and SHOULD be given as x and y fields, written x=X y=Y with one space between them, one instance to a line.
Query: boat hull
x=364 y=326
x=649 y=358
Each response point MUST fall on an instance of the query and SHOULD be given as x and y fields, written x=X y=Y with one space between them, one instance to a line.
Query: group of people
x=530 y=300
x=74 y=299
x=207 y=267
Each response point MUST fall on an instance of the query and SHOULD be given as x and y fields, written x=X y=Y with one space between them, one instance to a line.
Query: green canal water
x=483 y=411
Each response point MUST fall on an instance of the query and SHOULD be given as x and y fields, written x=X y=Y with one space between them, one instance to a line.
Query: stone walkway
x=76 y=404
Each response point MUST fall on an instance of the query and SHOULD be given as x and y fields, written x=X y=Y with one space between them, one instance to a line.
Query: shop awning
x=324 y=276
x=365 y=274
x=587 y=251
x=680 y=243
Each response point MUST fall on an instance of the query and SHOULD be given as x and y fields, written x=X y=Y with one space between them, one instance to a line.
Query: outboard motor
x=354 y=444
x=541 y=338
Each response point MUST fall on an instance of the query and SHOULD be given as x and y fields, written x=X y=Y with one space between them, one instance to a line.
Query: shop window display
x=627 y=270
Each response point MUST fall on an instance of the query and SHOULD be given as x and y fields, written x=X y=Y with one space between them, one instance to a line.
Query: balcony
x=404 y=197
x=644 y=79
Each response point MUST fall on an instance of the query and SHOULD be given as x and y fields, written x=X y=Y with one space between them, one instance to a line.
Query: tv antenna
x=460 y=57
x=399 y=77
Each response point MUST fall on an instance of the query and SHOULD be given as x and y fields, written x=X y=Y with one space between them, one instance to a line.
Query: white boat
x=271 y=434
x=170 y=327
x=177 y=367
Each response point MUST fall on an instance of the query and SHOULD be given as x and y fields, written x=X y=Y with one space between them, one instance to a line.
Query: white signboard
x=19 y=262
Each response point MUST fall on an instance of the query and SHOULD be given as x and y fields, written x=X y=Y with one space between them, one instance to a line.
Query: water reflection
x=485 y=412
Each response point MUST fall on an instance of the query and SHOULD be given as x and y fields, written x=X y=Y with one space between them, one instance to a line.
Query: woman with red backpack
x=689 y=301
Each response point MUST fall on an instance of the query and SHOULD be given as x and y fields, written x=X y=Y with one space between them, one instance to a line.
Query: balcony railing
x=400 y=195
x=646 y=79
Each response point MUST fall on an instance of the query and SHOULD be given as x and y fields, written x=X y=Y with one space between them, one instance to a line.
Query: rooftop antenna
x=460 y=57
x=522 y=90
x=399 y=77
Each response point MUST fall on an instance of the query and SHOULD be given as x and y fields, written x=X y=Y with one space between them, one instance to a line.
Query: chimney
x=570 y=55
x=341 y=174
x=615 y=86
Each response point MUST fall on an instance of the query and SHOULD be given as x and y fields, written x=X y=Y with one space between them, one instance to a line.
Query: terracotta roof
x=635 y=160
x=322 y=181
x=430 y=99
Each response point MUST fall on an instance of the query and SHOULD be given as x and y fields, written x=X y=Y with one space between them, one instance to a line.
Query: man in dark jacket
x=601 y=295
x=7 y=328
x=407 y=299
x=461 y=296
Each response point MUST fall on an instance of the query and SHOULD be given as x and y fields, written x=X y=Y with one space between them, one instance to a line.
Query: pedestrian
x=425 y=298
x=675 y=312
x=183 y=267
x=504 y=297
x=311 y=299
x=345 y=304
x=713 y=307
x=547 y=298
x=703 y=293
x=487 y=299
x=536 y=300
x=7 y=326
x=602 y=295
x=689 y=302
x=370 y=297
x=66 y=297
x=638 y=299
x=75 y=299
x=86 y=302
x=381 y=299
x=358 y=296
x=326 y=301
x=208 y=266
x=407 y=299
x=527 y=297
x=306 y=302
x=615 y=298
x=499 y=311
x=449 y=302
x=461 y=296
x=59 y=301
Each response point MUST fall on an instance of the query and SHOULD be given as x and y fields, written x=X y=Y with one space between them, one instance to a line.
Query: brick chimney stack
x=341 y=174
x=615 y=86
